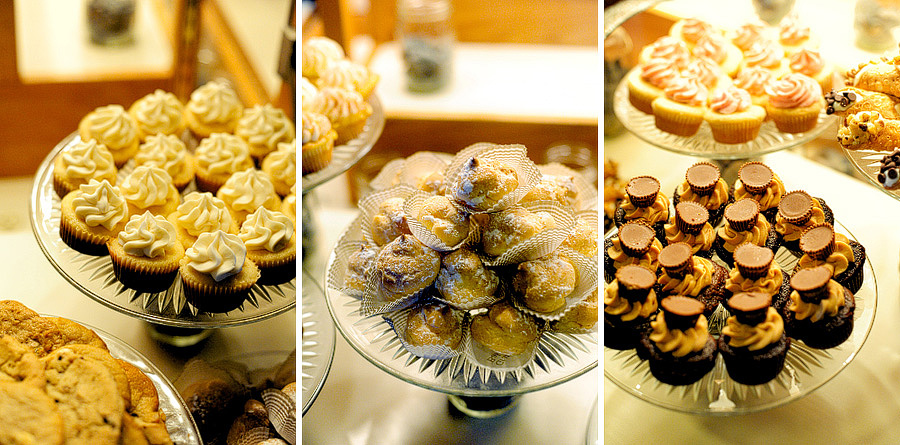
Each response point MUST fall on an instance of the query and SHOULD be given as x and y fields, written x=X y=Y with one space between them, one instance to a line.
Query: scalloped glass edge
x=318 y=341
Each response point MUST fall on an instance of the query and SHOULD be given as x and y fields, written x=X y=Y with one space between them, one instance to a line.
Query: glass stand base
x=178 y=337
x=483 y=407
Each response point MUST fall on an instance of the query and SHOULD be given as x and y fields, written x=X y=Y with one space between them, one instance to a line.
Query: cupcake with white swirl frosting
x=271 y=244
x=263 y=127
x=216 y=273
x=213 y=108
x=91 y=216
x=218 y=157
x=80 y=162
x=159 y=112
x=347 y=111
x=201 y=212
x=146 y=255
x=113 y=127
x=246 y=191
x=150 y=189
x=281 y=165
x=169 y=153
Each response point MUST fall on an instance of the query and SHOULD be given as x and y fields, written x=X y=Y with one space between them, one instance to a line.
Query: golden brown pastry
x=504 y=329
x=545 y=283
x=406 y=266
x=463 y=279
x=443 y=220
x=433 y=324
x=359 y=267
x=559 y=189
x=389 y=222
x=509 y=228
x=581 y=316
x=482 y=183
x=583 y=238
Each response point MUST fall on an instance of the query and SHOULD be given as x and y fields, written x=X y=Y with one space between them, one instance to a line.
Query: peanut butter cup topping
x=681 y=312
x=743 y=214
x=702 y=177
x=642 y=190
x=753 y=261
x=676 y=258
x=756 y=176
x=636 y=237
x=796 y=207
x=635 y=282
x=690 y=217
x=750 y=307
x=812 y=283
x=818 y=241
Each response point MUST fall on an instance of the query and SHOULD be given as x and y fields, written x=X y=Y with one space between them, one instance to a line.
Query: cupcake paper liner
x=398 y=322
x=514 y=155
x=317 y=155
x=539 y=245
x=412 y=207
x=282 y=413
x=388 y=176
x=586 y=281
x=420 y=165
x=376 y=300
x=587 y=193
x=348 y=244
x=134 y=273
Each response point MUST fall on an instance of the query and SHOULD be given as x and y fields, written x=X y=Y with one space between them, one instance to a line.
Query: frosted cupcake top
x=794 y=90
x=806 y=61
x=712 y=47
x=223 y=153
x=147 y=186
x=247 y=190
x=746 y=35
x=309 y=95
x=159 y=112
x=217 y=254
x=266 y=230
x=754 y=80
x=112 y=126
x=202 y=212
x=281 y=164
x=163 y=151
x=338 y=103
x=315 y=126
x=658 y=72
x=671 y=49
x=100 y=204
x=147 y=235
x=344 y=74
x=89 y=159
x=764 y=53
x=266 y=126
x=318 y=53
x=705 y=70
x=687 y=91
x=729 y=100
x=215 y=103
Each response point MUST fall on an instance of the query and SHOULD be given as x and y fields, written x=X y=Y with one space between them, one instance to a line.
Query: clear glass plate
x=558 y=357
x=716 y=393
x=93 y=275
x=345 y=156
x=868 y=162
x=702 y=144
x=318 y=340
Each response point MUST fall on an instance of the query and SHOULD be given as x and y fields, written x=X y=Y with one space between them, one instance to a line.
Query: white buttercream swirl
x=338 y=103
x=147 y=235
x=202 y=212
x=218 y=254
x=159 y=112
x=147 y=186
x=265 y=126
x=309 y=95
x=112 y=126
x=281 y=164
x=223 y=153
x=164 y=151
x=86 y=160
x=315 y=126
x=215 y=103
x=247 y=190
x=100 y=204
x=265 y=229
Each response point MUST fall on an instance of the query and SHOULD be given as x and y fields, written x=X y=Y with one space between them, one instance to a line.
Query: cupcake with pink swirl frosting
x=766 y=54
x=690 y=30
x=755 y=80
x=795 y=102
x=810 y=62
x=681 y=109
x=747 y=34
x=708 y=72
x=646 y=82
x=718 y=49
x=669 y=48
x=793 y=36
x=732 y=116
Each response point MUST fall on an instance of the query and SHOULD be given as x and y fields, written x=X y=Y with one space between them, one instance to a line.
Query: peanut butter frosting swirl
x=677 y=342
x=247 y=190
x=100 y=204
x=621 y=259
x=794 y=90
x=838 y=261
x=338 y=103
x=758 y=234
x=159 y=112
x=218 y=254
x=711 y=201
x=792 y=232
x=147 y=186
x=112 y=126
x=265 y=126
x=202 y=212
x=769 y=284
x=814 y=312
x=767 y=200
x=659 y=72
x=163 y=151
x=88 y=159
x=690 y=284
x=223 y=153
x=147 y=235
x=754 y=337
x=613 y=304
x=754 y=79
x=701 y=241
x=686 y=91
x=215 y=103
x=654 y=213
x=265 y=229
x=315 y=126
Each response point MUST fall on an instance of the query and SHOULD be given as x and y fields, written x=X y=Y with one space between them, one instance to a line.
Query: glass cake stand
x=172 y=318
x=473 y=389
x=318 y=340
x=805 y=369
x=868 y=162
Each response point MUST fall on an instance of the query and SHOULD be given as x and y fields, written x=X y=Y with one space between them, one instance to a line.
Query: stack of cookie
x=59 y=384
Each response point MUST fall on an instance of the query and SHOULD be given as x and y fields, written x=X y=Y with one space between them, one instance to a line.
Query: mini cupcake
x=271 y=244
x=794 y=37
x=743 y=224
x=246 y=191
x=281 y=166
x=504 y=329
x=692 y=276
x=691 y=225
x=318 y=142
x=758 y=182
x=679 y=347
x=820 y=312
x=707 y=72
x=169 y=153
x=150 y=189
x=216 y=274
x=629 y=304
x=347 y=111
x=846 y=258
x=317 y=54
x=643 y=201
x=635 y=243
x=114 y=128
x=218 y=157
x=309 y=95
x=646 y=82
x=753 y=343
x=201 y=212
x=77 y=164
x=796 y=212
x=795 y=101
x=747 y=34
x=146 y=254
x=765 y=54
x=810 y=62
x=691 y=30
x=704 y=185
x=213 y=108
x=667 y=48
x=732 y=116
x=350 y=76
x=289 y=204
x=755 y=80
x=680 y=110
x=91 y=216
x=721 y=51
x=756 y=271
x=159 y=112
x=263 y=127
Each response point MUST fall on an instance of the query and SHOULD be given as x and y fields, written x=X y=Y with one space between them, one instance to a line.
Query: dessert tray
x=347 y=155
x=558 y=357
x=805 y=369
x=318 y=340
x=868 y=162
x=702 y=143
x=94 y=275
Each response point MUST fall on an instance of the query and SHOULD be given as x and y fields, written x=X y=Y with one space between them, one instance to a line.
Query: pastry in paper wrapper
x=429 y=329
x=585 y=192
x=424 y=171
x=503 y=338
x=580 y=318
x=487 y=178
x=403 y=269
x=583 y=237
x=465 y=283
x=383 y=216
x=547 y=289
x=525 y=232
x=435 y=221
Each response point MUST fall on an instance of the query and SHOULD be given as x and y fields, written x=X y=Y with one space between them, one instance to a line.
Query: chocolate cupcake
x=679 y=347
x=629 y=304
x=643 y=201
x=704 y=185
x=690 y=275
x=758 y=182
x=636 y=243
x=796 y=212
x=845 y=257
x=743 y=224
x=753 y=343
x=691 y=225
x=756 y=271
x=820 y=312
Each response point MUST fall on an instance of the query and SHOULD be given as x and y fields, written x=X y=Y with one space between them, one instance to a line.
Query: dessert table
x=859 y=405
